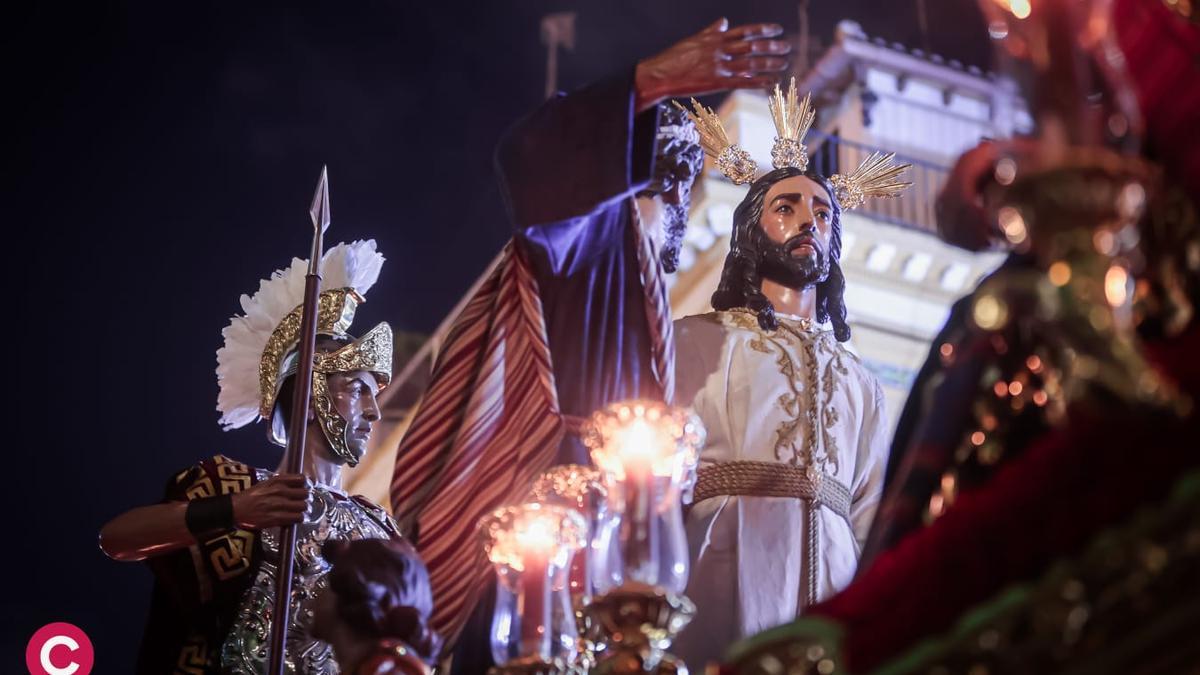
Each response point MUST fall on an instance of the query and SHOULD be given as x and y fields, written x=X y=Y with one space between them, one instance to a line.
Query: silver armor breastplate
x=333 y=516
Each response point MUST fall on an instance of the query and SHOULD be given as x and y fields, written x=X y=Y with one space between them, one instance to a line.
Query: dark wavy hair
x=381 y=588
x=741 y=283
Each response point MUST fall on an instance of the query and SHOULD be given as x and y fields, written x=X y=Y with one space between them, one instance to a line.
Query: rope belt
x=770 y=479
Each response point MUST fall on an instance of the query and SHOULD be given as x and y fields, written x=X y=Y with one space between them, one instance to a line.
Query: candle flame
x=637 y=442
x=535 y=535
x=546 y=531
x=647 y=438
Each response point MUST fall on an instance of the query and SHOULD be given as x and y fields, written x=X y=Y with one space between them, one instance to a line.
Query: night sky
x=162 y=161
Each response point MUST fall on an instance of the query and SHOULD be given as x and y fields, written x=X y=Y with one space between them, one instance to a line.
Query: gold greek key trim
x=193 y=656
x=771 y=479
x=230 y=554
x=235 y=476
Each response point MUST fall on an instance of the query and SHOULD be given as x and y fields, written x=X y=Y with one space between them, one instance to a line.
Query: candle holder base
x=589 y=639
x=638 y=622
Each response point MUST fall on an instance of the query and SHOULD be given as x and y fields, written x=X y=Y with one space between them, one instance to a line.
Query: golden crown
x=793 y=118
x=876 y=176
x=731 y=160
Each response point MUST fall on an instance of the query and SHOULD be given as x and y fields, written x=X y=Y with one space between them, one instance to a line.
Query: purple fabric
x=568 y=172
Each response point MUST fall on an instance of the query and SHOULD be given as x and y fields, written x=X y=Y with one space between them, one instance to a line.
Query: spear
x=302 y=393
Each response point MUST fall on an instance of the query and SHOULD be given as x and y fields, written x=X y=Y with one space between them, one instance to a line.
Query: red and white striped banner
x=490 y=423
x=487 y=426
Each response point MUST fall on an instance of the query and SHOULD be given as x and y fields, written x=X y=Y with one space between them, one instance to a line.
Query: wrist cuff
x=208 y=515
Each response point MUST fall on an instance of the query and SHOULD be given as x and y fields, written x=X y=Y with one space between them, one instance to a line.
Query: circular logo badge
x=59 y=648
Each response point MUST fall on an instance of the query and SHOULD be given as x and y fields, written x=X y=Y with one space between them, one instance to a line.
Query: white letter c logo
x=57 y=641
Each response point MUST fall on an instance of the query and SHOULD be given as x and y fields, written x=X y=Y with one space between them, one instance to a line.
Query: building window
x=954 y=276
x=879 y=258
x=917 y=267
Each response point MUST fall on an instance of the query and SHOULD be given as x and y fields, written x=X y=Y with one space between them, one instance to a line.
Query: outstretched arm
x=582 y=151
x=148 y=531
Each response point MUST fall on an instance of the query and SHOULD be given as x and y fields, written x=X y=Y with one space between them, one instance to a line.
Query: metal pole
x=298 y=427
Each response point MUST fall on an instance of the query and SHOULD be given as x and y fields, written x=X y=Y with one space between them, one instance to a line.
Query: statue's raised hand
x=717 y=58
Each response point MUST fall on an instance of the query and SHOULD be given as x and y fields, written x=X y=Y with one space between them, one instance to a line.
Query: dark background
x=161 y=160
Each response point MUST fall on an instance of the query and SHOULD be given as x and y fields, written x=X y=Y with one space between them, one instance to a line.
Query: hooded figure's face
x=794 y=233
x=664 y=204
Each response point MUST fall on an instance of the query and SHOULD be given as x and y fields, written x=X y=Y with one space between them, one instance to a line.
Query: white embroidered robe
x=791 y=396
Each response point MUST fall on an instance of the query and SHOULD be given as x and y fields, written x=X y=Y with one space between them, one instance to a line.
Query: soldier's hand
x=279 y=500
x=717 y=58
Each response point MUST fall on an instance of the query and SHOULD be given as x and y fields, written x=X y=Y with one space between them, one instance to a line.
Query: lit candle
x=646 y=452
x=537 y=541
x=638 y=451
x=530 y=545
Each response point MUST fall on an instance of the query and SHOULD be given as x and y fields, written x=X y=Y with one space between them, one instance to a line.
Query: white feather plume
x=355 y=265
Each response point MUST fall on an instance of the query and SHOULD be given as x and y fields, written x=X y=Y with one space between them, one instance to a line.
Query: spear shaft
x=298 y=424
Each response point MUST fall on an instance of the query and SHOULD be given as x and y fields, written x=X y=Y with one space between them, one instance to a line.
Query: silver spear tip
x=320 y=204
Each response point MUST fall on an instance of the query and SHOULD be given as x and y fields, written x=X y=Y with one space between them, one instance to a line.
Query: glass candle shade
x=646 y=452
x=531 y=546
x=580 y=488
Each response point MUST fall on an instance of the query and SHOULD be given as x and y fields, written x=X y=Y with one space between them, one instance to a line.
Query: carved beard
x=674 y=224
x=776 y=262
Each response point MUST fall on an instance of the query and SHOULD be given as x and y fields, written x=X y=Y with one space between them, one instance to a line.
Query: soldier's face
x=796 y=226
x=354 y=398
